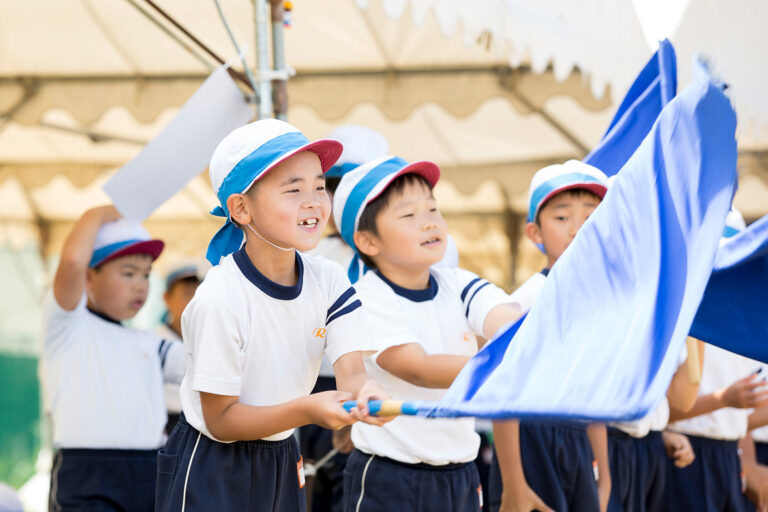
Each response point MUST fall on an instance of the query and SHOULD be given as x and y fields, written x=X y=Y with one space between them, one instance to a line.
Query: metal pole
x=262 y=58
x=280 y=92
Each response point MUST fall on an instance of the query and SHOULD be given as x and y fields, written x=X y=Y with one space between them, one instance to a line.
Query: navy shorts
x=103 y=480
x=557 y=462
x=639 y=472
x=379 y=484
x=761 y=452
x=203 y=475
x=712 y=482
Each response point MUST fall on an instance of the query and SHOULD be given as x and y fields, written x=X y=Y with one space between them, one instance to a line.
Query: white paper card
x=182 y=150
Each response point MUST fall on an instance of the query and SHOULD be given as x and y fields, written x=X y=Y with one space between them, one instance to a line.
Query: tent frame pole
x=261 y=28
x=280 y=88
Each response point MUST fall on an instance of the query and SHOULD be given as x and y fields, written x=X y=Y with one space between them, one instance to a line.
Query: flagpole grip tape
x=383 y=407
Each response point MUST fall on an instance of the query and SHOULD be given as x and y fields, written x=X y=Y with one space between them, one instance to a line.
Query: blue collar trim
x=424 y=295
x=263 y=283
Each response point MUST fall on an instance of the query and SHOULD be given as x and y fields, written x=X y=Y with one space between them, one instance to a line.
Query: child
x=103 y=382
x=541 y=464
x=257 y=328
x=427 y=319
x=180 y=285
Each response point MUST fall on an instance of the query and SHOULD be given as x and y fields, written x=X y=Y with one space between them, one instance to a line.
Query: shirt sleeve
x=60 y=323
x=212 y=338
x=351 y=324
x=171 y=360
x=478 y=296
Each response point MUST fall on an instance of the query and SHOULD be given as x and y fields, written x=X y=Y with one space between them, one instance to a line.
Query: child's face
x=290 y=206
x=559 y=221
x=179 y=295
x=119 y=287
x=411 y=231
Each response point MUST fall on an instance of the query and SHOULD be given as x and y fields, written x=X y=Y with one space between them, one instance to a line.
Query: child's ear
x=533 y=231
x=237 y=209
x=366 y=243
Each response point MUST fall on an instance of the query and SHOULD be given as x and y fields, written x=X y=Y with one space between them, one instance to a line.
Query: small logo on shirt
x=319 y=332
x=466 y=336
x=300 y=472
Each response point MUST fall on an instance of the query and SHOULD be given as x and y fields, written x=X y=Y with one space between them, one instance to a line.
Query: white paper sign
x=182 y=150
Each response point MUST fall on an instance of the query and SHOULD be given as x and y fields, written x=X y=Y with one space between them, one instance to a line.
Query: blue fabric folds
x=732 y=314
x=653 y=88
x=602 y=340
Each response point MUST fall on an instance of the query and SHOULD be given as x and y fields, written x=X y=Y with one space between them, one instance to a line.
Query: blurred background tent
x=491 y=90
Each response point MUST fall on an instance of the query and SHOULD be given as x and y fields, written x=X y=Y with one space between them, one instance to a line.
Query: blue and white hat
x=552 y=180
x=246 y=155
x=361 y=145
x=734 y=224
x=121 y=238
x=362 y=185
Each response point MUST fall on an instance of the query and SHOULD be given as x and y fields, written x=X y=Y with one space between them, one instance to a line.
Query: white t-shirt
x=443 y=319
x=334 y=248
x=102 y=382
x=527 y=293
x=247 y=336
x=171 y=389
x=721 y=369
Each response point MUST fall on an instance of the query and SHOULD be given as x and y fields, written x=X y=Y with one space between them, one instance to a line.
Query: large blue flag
x=602 y=340
x=733 y=314
x=653 y=88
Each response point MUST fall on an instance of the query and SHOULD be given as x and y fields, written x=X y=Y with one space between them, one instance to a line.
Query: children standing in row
x=427 y=319
x=257 y=328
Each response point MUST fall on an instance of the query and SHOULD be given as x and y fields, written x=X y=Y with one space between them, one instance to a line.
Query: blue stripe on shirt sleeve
x=467 y=288
x=469 y=302
x=348 y=309
x=340 y=302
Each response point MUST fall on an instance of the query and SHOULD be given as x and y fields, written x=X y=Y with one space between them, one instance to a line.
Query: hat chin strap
x=270 y=243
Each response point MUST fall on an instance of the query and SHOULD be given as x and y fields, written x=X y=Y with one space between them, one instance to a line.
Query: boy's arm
x=351 y=377
x=229 y=420
x=742 y=394
x=516 y=494
x=500 y=316
x=759 y=418
x=598 y=438
x=412 y=364
x=682 y=392
x=69 y=282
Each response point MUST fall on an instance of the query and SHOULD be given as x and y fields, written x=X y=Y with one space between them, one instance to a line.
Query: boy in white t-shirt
x=548 y=463
x=103 y=382
x=257 y=328
x=426 y=319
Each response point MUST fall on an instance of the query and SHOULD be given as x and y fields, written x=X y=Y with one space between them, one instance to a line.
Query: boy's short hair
x=574 y=193
x=371 y=211
x=121 y=238
x=555 y=179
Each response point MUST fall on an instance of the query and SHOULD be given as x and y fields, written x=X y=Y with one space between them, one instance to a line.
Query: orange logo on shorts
x=319 y=332
x=300 y=472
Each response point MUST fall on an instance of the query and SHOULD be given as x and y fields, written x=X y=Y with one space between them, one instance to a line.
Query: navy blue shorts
x=103 y=480
x=203 y=475
x=712 y=482
x=557 y=462
x=639 y=472
x=761 y=452
x=379 y=484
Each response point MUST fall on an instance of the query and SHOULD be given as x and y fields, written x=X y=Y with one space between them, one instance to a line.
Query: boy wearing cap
x=426 y=319
x=540 y=464
x=103 y=382
x=180 y=285
x=257 y=328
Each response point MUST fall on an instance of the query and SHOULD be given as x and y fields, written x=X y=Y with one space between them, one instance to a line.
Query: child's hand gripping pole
x=385 y=407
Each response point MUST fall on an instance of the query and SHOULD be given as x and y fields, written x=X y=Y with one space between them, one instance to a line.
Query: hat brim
x=152 y=248
x=327 y=150
x=596 y=188
x=427 y=170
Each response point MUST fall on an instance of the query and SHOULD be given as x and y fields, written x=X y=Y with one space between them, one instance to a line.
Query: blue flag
x=653 y=88
x=732 y=314
x=603 y=338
